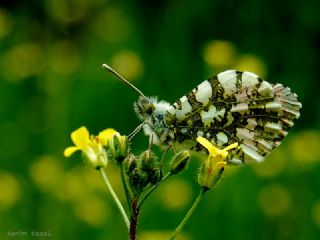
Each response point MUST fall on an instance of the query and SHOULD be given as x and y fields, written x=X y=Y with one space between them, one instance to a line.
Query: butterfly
x=233 y=106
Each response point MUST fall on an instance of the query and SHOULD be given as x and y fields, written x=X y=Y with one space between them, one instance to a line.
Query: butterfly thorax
x=153 y=114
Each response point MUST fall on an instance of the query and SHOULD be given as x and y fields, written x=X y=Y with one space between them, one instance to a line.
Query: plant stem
x=150 y=190
x=125 y=186
x=134 y=220
x=188 y=215
x=115 y=198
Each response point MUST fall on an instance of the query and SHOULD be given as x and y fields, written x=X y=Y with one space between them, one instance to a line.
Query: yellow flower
x=213 y=167
x=91 y=146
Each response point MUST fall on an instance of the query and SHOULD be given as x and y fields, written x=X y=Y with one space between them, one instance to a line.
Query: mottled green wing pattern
x=233 y=107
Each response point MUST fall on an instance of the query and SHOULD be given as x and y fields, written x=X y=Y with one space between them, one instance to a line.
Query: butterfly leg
x=135 y=131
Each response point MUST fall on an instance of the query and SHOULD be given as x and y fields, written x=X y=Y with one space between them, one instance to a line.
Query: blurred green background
x=51 y=83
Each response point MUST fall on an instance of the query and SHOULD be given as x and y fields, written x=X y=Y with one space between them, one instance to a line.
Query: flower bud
x=118 y=146
x=154 y=176
x=148 y=160
x=180 y=162
x=130 y=163
x=137 y=178
x=150 y=166
x=210 y=174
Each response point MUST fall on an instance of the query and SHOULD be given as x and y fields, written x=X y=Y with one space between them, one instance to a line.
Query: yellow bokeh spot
x=23 y=61
x=113 y=25
x=219 y=53
x=64 y=57
x=47 y=173
x=80 y=182
x=5 y=23
x=305 y=147
x=9 y=190
x=251 y=63
x=316 y=213
x=92 y=209
x=73 y=187
x=93 y=180
x=129 y=64
x=275 y=163
x=274 y=200
x=175 y=194
x=66 y=12
x=160 y=235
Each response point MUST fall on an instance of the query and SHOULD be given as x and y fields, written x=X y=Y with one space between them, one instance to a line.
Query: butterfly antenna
x=114 y=72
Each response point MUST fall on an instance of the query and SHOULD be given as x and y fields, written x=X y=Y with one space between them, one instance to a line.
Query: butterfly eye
x=149 y=108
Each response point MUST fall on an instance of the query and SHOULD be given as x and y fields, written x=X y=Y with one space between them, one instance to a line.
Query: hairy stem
x=134 y=220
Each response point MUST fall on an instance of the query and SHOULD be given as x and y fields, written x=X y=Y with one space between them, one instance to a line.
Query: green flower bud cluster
x=143 y=171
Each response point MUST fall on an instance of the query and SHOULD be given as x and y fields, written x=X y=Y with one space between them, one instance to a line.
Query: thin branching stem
x=150 y=190
x=125 y=187
x=189 y=213
x=115 y=198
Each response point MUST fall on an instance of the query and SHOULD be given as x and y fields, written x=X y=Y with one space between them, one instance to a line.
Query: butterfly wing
x=238 y=107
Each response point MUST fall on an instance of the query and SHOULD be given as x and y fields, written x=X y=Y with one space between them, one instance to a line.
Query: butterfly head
x=144 y=107
x=152 y=112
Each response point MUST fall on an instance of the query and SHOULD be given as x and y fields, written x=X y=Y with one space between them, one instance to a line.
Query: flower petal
x=105 y=135
x=70 y=150
x=80 y=137
x=231 y=146
x=208 y=145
